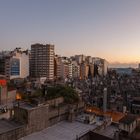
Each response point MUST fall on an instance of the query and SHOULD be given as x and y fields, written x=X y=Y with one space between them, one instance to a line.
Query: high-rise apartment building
x=84 y=70
x=14 y=64
x=42 y=61
x=139 y=66
x=5 y=63
x=75 y=70
x=66 y=68
x=102 y=65
x=57 y=67
x=89 y=59
x=105 y=66
x=91 y=71
x=70 y=69
x=80 y=58
x=19 y=64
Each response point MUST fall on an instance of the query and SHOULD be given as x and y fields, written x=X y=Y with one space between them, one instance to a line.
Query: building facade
x=75 y=70
x=19 y=64
x=57 y=67
x=84 y=70
x=14 y=64
x=42 y=61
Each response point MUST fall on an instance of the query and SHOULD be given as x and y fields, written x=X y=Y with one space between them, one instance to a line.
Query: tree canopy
x=68 y=93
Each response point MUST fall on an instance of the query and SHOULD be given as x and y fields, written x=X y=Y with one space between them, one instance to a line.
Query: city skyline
x=106 y=29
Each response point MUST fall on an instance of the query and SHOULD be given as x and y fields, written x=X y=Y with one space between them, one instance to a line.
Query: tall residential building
x=89 y=59
x=105 y=66
x=66 y=68
x=57 y=67
x=84 y=70
x=70 y=69
x=91 y=71
x=5 y=57
x=19 y=63
x=101 y=64
x=80 y=58
x=42 y=61
x=14 y=64
x=139 y=66
x=75 y=70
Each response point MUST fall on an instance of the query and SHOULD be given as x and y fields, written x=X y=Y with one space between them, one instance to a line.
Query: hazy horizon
x=107 y=29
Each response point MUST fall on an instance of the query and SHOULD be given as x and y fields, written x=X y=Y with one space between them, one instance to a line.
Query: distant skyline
x=108 y=29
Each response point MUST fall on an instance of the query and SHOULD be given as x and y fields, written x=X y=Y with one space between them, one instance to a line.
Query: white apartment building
x=19 y=63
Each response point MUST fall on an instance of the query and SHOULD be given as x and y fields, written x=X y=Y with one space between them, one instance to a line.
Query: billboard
x=15 y=67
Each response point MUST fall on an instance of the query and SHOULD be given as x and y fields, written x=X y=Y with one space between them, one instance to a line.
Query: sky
x=108 y=29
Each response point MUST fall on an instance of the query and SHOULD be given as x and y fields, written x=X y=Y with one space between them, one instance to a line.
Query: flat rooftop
x=29 y=106
x=26 y=106
x=108 y=131
x=6 y=125
x=61 y=131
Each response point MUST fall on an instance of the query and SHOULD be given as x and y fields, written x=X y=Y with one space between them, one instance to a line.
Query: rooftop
x=108 y=131
x=128 y=119
x=6 y=125
x=29 y=106
x=61 y=131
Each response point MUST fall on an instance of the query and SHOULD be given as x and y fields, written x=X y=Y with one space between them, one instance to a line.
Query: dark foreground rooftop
x=61 y=131
x=6 y=125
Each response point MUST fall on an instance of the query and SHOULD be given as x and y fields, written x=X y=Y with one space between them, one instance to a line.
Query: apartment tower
x=14 y=64
x=42 y=61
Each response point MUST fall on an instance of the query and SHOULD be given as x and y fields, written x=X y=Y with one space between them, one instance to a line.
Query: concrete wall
x=55 y=102
x=14 y=134
x=38 y=119
x=57 y=119
x=21 y=115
